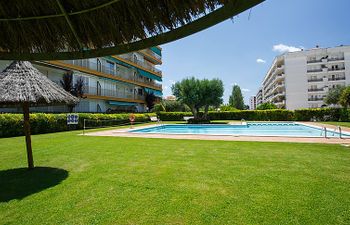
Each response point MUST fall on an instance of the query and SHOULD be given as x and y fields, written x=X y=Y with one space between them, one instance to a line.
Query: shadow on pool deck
x=20 y=182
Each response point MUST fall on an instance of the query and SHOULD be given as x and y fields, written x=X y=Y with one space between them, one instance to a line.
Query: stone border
x=125 y=132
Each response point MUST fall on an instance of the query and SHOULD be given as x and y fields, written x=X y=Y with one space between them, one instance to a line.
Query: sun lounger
x=187 y=118
x=154 y=119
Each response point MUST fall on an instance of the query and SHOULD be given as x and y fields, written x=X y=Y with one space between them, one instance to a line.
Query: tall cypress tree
x=236 y=98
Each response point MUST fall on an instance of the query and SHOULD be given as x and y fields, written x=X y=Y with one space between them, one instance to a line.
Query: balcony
x=280 y=102
x=281 y=75
x=315 y=89
x=336 y=78
x=314 y=61
x=336 y=69
x=127 y=75
x=142 y=64
x=315 y=70
x=335 y=59
x=315 y=99
x=315 y=80
x=112 y=93
x=148 y=52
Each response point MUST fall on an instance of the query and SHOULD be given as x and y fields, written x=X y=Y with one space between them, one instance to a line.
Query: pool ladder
x=339 y=130
x=324 y=132
x=161 y=124
x=243 y=122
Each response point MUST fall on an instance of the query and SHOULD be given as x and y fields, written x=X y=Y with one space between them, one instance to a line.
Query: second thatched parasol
x=22 y=84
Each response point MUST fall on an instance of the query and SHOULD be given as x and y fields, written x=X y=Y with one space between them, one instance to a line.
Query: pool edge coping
x=125 y=132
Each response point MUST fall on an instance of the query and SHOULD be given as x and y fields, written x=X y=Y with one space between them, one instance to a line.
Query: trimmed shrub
x=173 y=116
x=325 y=114
x=12 y=124
x=258 y=115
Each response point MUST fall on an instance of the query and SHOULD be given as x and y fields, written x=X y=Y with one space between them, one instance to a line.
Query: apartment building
x=259 y=97
x=252 y=101
x=302 y=79
x=115 y=83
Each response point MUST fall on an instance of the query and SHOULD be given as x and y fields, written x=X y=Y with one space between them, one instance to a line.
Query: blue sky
x=230 y=50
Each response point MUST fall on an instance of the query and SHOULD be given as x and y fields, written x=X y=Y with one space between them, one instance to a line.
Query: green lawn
x=109 y=180
x=343 y=124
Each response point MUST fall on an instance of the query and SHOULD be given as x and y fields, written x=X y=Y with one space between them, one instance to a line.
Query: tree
x=150 y=100
x=67 y=81
x=226 y=108
x=187 y=91
x=197 y=93
x=171 y=106
x=333 y=95
x=236 y=98
x=266 y=106
x=344 y=99
x=79 y=88
x=76 y=89
x=211 y=94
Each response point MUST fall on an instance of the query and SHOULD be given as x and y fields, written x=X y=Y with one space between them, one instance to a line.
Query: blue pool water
x=251 y=129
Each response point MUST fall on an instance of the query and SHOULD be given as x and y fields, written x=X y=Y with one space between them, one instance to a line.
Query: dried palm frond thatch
x=66 y=29
x=22 y=84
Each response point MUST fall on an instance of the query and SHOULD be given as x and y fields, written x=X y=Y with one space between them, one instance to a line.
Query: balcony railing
x=335 y=59
x=128 y=75
x=314 y=70
x=315 y=99
x=337 y=78
x=150 y=52
x=112 y=93
x=142 y=64
x=336 y=69
x=315 y=80
x=315 y=89
x=314 y=61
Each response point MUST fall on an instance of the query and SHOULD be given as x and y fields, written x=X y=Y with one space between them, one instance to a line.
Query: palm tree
x=76 y=90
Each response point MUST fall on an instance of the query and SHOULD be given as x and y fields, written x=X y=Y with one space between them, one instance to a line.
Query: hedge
x=173 y=116
x=12 y=124
x=327 y=114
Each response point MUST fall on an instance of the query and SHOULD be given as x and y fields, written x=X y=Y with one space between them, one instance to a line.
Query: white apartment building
x=302 y=79
x=259 y=97
x=116 y=83
x=252 y=102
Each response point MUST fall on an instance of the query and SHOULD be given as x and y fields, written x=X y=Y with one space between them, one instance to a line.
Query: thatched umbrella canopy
x=71 y=29
x=22 y=84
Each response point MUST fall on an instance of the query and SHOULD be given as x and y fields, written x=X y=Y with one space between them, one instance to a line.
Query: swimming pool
x=250 y=129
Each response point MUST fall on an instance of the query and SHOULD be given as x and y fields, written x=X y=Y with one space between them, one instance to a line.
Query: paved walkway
x=125 y=133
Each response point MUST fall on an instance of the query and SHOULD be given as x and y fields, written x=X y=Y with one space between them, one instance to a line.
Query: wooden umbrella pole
x=27 y=134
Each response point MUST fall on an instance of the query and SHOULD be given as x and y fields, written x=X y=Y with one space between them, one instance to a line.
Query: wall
x=296 y=82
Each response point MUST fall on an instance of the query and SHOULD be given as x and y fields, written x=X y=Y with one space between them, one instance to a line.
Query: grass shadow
x=20 y=182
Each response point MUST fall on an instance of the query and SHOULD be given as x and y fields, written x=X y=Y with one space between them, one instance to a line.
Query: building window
x=98 y=108
x=110 y=67
x=98 y=88
x=99 y=65
x=140 y=91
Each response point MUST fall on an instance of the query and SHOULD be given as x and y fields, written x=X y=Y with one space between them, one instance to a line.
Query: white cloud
x=165 y=87
x=260 y=61
x=172 y=81
x=285 y=48
x=245 y=90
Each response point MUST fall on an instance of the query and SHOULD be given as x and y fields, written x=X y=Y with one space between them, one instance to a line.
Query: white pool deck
x=125 y=132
